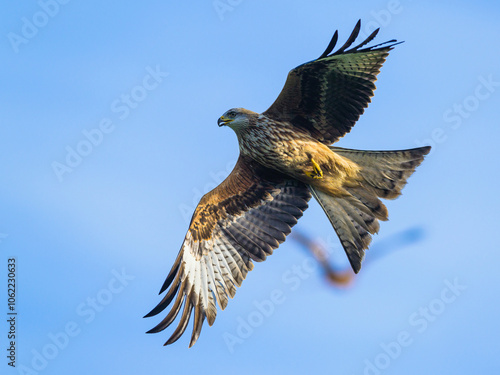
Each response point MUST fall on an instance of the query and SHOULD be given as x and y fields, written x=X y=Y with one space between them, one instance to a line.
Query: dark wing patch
x=242 y=220
x=326 y=96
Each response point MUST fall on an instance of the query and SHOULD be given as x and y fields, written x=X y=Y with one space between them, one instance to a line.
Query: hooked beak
x=223 y=121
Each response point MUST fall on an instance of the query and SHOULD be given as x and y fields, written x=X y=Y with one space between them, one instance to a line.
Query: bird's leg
x=316 y=172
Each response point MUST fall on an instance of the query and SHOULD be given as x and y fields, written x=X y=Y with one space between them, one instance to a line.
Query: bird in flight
x=286 y=158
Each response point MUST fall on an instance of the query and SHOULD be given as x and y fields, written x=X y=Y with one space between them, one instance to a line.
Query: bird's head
x=236 y=118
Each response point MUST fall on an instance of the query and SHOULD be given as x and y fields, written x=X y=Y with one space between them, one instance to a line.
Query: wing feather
x=233 y=259
x=181 y=327
x=351 y=38
x=262 y=247
x=172 y=274
x=174 y=311
x=325 y=97
x=270 y=236
x=245 y=218
x=199 y=317
x=367 y=40
x=225 y=277
x=255 y=252
x=331 y=45
x=203 y=279
x=216 y=282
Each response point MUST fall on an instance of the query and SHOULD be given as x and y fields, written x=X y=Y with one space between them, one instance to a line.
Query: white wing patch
x=208 y=271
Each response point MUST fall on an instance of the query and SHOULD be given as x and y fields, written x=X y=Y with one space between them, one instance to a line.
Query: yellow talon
x=317 y=172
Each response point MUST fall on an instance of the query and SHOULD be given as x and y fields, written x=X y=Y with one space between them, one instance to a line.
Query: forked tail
x=355 y=217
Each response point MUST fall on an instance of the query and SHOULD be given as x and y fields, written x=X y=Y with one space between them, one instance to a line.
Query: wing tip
x=390 y=44
x=330 y=46
x=155 y=329
x=155 y=311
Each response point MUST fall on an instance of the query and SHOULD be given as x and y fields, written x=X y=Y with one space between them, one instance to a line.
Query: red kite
x=285 y=158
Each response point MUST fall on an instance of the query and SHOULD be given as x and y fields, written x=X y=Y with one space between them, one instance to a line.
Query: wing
x=327 y=96
x=243 y=219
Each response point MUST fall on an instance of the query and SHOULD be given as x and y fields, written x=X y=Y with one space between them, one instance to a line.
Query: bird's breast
x=276 y=146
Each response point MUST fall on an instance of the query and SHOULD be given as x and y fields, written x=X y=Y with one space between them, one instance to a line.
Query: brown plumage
x=285 y=158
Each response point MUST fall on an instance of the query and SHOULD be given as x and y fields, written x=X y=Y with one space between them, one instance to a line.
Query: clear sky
x=109 y=139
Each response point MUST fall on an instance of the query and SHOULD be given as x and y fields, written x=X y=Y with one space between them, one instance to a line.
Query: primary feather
x=285 y=158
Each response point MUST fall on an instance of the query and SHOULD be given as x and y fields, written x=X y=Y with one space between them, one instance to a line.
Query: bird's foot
x=316 y=172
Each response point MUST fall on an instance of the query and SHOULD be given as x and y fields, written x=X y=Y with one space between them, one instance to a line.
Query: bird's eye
x=231 y=114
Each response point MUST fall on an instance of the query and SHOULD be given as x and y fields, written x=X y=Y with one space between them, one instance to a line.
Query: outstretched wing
x=326 y=96
x=243 y=219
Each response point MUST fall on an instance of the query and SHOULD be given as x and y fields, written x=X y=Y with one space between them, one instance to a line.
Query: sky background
x=94 y=242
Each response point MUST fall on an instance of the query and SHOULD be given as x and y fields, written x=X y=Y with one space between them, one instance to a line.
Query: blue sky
x=143 y=84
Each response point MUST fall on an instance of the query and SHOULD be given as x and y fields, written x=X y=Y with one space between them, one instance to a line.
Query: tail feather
x=364 y=199
x=355 y=217
x=385 y=172
x=352 y=225
x=366 y=221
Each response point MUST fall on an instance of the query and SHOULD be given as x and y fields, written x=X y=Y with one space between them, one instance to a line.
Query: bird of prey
x=285 y=158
